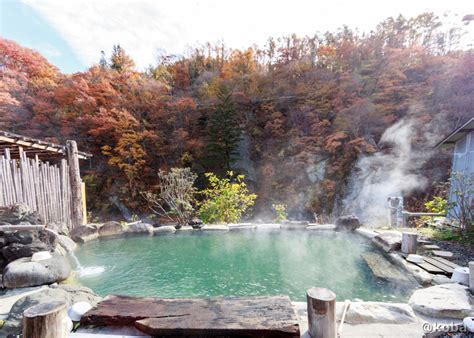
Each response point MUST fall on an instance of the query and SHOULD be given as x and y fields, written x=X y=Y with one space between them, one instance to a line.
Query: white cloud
x=143 y=26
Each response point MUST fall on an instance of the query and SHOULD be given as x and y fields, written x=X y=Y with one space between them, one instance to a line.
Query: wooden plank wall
x=44 y=187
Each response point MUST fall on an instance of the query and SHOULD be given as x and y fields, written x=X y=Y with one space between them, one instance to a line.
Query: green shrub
x=226 y=199
x=280 y=210
x=438 y=205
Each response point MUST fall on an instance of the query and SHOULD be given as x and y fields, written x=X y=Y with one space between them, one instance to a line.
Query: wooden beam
x=32 y=144
x=37 y=144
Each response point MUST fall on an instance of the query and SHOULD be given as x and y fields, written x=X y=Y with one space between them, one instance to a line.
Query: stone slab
x=388 y=241
x=233 y=316
x=368 y=233
x=215 y=227
x=383 y=269
x=243 y=226
x=164 y=230
x=442 y=254
x=431 y=247
x=185 y=228
x=293 y=225
x=322 y=227
x=268 y=226
x=444 y=301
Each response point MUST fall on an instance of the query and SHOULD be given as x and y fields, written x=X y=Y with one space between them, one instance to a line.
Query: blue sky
x=23 y=24
x=72 y=33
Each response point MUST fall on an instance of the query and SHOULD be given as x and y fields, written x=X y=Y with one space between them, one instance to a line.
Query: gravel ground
x=463 y=253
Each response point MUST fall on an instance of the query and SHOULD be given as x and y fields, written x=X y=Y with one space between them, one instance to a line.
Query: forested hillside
x=293 y=116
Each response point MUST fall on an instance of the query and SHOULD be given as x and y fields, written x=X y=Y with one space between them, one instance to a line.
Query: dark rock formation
x=140 y=228
x=111 y=229
x=84 y=233
x=196 y=223
x=18 y=244
x=19 y=213
x=347 y=223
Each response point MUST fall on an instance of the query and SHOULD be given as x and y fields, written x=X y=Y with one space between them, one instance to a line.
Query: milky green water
x=235 y=263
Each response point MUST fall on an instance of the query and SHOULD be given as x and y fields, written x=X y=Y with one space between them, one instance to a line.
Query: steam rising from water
x=384 y=174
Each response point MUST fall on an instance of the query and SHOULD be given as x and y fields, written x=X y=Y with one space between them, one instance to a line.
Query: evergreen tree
x=223 y=132
x=103 y=61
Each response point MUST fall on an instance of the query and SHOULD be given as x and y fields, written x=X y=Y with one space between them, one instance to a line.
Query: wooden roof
x=457 y=134
x=34 y=146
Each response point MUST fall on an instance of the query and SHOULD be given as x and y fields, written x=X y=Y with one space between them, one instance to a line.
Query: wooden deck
x=211 y=317
x=437 y=265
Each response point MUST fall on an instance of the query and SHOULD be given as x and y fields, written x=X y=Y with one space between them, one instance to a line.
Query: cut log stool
x=321 y=304
x=409 y=242
x=45 y=320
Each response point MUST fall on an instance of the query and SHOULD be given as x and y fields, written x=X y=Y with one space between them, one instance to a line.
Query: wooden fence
x=44 y=187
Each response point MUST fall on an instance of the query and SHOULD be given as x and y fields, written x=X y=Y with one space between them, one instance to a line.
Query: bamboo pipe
x=22 y=227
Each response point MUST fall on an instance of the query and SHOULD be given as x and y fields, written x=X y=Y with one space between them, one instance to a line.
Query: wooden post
x=45 y=320
x=321 y=304
x=409 y=242
x=471 y=275
x=84 y=203
x=392 y=211
x=75 y=181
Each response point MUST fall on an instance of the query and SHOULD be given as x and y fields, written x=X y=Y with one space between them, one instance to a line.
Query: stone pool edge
x=367 y=314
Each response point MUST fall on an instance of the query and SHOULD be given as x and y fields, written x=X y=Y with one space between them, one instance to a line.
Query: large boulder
x=347 y=223
x=19 y=213
x=139 y=228
x=25 y=243
x=450 y=300
x=18 y=237
x=111 y=229
x=69 y=293
x=388 y=241
x=84 y=233
x=66 y=243
x=23 y=272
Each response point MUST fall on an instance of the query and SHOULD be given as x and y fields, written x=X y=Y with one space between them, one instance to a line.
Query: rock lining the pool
x=423 y=301
x=89 y=232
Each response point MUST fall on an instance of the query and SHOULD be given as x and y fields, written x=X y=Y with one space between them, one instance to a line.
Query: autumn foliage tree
x=308 y=107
